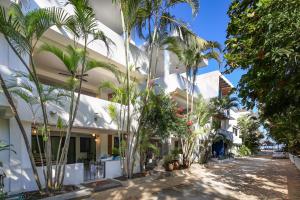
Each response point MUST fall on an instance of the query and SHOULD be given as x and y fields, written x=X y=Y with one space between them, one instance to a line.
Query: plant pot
x=176 y=164
x=186 y=164
x=169 y=167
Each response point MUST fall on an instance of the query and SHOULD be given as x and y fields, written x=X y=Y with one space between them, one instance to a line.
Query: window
x=85 y=144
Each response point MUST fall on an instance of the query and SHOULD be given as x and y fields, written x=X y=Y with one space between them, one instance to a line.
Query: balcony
x=97 y=49
x=92 y=113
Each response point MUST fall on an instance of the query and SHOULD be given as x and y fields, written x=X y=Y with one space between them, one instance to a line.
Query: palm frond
x=99 y=35
x=71 y=59
x=194 y=4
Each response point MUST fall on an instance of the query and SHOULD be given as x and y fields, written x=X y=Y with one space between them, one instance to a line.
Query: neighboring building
x=94 y=134
x=209 y=85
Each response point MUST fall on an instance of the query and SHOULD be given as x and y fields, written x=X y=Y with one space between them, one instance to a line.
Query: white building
x=94 y=133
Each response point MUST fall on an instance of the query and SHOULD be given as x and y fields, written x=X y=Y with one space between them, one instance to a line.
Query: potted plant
x=168 y=163
x=175 y=154
x=115 y=152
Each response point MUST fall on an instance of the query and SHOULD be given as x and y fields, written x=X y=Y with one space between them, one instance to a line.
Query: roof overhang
x=225 y=85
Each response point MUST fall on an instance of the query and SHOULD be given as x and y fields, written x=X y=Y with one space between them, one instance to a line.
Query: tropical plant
x=22 y=32
x=119 y=112
x=3 y=147
x=160 y=116
x=21 y=85
x=73 y=59
x=249 y=129
x=84 y=26
x=191 y=50
x=155 y=23
x=150 y=18
x=222 y=105
x=244 y=151
x=203 y=113
x=6 y=147
x=145 y=145
x=263 y=41
x=129 y=14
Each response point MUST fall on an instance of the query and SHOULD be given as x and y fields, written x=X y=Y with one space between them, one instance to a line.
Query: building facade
x=94 y=135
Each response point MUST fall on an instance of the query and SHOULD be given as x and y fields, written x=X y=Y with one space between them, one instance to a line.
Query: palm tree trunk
x=126 y=46
x=187 y=92
x=36 y=82
x=45 y=117
x=23 y=132
x=63 y=157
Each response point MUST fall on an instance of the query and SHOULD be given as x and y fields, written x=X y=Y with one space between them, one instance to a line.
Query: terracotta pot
x=169 y=167
x=176 y=164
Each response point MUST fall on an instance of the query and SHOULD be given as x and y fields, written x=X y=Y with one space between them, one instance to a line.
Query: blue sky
x=210 y=24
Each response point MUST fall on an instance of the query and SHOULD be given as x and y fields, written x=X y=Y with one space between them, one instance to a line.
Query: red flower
x=189 y=123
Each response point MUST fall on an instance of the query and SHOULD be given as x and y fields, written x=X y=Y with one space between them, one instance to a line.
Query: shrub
x=244 y=151
x=167 y=159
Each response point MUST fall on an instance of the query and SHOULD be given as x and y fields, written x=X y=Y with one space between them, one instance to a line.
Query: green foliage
x=203 y=111
x=175 y=153
x=167 y=159
x=263 y=38
x=115 y=151
x=160 y=115
x=224 y=104
x=244 y=151
x=249 y=129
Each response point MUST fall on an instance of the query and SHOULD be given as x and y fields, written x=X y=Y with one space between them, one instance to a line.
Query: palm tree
x=73 y=59
x=118 y=114
x=155 y=22
x=129 y=14
x=154 y=17
x=25 y=91
x=82 y=24
x=22 y=32
x=203 y=114
x=222 y=105
x=23 y=132
x=191 y=50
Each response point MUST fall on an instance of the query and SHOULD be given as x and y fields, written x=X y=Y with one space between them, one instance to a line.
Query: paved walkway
x=246 y=179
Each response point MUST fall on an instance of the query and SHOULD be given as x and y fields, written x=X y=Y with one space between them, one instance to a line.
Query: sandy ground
x=243 y=178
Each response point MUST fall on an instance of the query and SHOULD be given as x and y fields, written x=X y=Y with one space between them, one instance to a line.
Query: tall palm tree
x=22 y=32
x=22 y=87
x=155 y=22
x=191 y=50
x=129 y=14
x=73 y=59
x=150 y=17
x=82 y=24
x=22 y=129
x=225 y=103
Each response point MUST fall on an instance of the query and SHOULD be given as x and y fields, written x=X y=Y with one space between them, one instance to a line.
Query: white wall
x=208 y=84
x=113 y=168
x=73 y=175
x=117 y=52
x=233 y=124
x=103 y=144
